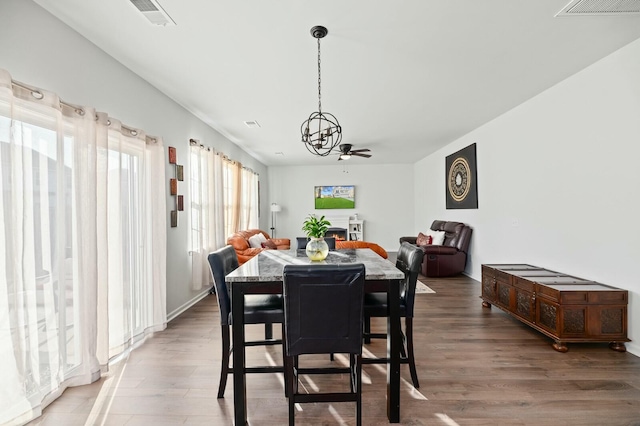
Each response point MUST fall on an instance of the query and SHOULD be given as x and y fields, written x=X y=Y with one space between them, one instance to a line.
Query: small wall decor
x=173 y=186
x=461 y=185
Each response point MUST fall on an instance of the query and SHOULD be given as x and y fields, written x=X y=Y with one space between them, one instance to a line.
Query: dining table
x=262 y=274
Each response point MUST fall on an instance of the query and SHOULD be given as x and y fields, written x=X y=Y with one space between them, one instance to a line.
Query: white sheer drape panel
x=155 y=238
x=46 y=293
x=135 y=172
x=232 y=195
x=249 y=204
x=207 y=211
x=78 y=240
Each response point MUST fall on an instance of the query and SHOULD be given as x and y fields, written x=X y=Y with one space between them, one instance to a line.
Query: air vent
x=252 y=124
x=601 y=7
x=152 y=10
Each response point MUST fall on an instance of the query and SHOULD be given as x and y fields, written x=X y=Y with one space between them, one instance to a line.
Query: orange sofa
x=240 y=242
x=362 y=244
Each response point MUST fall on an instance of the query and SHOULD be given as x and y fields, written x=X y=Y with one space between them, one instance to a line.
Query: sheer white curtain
x=249 y=204
x=82 y=245
x=207 y=210
x=232 y=173
x=135 y=244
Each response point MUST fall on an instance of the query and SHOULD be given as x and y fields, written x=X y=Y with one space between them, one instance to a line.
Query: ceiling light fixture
x=321 y=132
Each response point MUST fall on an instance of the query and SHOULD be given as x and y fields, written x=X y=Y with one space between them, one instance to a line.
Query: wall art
x=461 y=179
x=335 y=197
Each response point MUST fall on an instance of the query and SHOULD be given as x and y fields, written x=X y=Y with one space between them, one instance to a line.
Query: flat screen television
x=335 y=197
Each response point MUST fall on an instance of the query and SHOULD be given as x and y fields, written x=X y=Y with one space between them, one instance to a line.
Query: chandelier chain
x=321 y=132
x=319 y=80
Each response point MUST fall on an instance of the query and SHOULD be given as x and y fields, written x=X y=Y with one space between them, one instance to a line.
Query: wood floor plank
x=477 y=366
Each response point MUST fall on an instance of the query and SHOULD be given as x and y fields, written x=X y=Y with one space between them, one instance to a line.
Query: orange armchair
x=362 y=244
x=240 y=243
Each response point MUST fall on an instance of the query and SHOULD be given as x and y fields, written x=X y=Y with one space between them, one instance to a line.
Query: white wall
x=384 y=198
x=39 y=50
x=557 y=181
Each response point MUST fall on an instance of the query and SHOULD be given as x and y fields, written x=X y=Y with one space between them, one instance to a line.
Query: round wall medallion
x=459 y=181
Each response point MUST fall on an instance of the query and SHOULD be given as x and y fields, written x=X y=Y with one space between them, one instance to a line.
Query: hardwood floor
x=476 y=366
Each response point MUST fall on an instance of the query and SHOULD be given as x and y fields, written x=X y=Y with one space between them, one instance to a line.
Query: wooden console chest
x=563 y=307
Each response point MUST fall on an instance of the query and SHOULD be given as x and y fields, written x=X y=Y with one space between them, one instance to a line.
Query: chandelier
x=321 y=132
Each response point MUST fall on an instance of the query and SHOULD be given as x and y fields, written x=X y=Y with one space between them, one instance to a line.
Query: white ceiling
x=403 y=77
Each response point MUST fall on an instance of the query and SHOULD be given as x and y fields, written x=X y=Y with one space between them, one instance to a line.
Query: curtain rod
x=36 y=93
x=195 y=142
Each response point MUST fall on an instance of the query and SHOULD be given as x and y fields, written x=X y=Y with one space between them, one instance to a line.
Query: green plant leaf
x=314 y=227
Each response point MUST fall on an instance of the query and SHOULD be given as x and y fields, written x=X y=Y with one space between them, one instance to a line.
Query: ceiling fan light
x=345 y=156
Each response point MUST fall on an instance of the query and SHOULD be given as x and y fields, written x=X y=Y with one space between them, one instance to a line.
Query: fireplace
x=340 y=234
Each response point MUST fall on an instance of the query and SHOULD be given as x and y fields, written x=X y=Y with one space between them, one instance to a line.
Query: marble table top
x=268 y=265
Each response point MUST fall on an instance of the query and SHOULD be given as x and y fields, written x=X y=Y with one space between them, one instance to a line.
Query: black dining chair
x=312 y=328
x=258 y=309
x=302 y=242
x=409 y=261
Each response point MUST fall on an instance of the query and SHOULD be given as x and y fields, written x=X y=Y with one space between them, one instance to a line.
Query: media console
x=563 y=307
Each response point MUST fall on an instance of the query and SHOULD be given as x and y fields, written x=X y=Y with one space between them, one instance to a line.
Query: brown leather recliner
x=451 y=257
x=240 y=242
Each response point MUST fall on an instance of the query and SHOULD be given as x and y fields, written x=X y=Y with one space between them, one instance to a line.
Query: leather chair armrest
x=410 y=240
x=282 y=243
x=251 y=251
x=446 y=250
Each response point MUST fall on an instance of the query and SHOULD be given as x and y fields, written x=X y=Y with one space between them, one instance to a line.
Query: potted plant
x=317 y=248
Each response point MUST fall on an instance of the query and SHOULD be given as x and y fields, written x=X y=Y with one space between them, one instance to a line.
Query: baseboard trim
x=176 y=312
x=633 y=348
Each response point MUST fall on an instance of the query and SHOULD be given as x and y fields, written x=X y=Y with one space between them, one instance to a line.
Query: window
x=82 y=245
x=224 y=199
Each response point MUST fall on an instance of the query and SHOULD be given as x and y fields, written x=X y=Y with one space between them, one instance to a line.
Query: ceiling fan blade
x=360 y=155
x=360 y=150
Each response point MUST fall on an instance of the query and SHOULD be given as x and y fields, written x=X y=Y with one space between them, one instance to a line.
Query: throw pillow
x=269 y=244
x=437 y=237
x=424 y=240
x=255 y=241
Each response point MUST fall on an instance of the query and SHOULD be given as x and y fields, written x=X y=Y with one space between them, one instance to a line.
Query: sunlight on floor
x=366 y=380
x=447 y=420
x=336 y=416
x=104 y=399
x=415 y=393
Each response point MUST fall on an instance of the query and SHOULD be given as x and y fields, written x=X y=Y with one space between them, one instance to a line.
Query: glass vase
x=317 y=249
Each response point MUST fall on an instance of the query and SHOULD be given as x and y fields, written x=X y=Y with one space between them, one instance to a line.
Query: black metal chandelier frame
x=321 y=132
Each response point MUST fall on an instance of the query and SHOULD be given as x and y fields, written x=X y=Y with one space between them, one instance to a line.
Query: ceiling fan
x=346 y=152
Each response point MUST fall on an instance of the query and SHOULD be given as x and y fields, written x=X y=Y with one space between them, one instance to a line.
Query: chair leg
x=412 y=359
x=359 y=390
x=292 y=404
x=285 y=364
x=292 y=385
x=367 y=330
x=224 y=369
x=268 y=331
x=294 y=375
x=403 y=354
x=353 y=379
